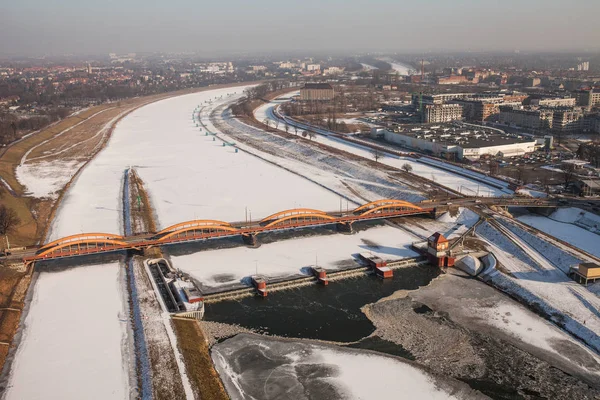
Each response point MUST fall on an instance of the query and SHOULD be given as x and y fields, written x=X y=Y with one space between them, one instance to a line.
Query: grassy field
x=204 y=379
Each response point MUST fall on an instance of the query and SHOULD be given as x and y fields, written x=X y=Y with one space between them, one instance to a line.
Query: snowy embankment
x=74 y=342
x=426 y=169
x=294 y=256
x=451 y=226
x=349 y=178
x=43 y=177
x=572 y=225
x=536 y=274
x=259 y=367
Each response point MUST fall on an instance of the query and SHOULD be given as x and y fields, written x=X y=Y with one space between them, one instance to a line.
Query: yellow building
x=586 y=272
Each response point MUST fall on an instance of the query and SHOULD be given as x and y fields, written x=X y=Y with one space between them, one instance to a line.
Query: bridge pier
x=344 y=227
x=251 y=240
x=438 y=211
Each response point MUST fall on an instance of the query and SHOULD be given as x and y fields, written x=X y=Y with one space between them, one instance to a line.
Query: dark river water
x=319 y=312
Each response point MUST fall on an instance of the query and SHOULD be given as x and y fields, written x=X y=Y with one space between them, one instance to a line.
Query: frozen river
x=76 y=341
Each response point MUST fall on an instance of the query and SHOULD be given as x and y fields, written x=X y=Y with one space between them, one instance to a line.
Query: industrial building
x=458 y=140
x=317 y=92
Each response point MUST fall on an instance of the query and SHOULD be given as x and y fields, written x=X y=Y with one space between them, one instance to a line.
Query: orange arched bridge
x=190 y=231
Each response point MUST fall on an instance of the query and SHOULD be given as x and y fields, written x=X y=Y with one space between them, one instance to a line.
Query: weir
x=301 y=281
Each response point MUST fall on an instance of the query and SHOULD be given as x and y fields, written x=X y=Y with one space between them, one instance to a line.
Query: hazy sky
x=102 y=26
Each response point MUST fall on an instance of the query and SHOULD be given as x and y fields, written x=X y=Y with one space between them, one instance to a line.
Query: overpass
x=197 y=230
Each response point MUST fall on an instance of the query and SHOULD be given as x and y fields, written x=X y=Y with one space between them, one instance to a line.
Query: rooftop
x=317 y=86
x=459 y=134
x=438 y=238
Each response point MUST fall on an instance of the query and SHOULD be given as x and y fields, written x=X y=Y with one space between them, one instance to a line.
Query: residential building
x=333 y=71
x=588 y=98
x=555 y=102
x=317 y=91
x=532 y=82
x=539 y=118
x=441 y=112
x=568 y=120
x=313 y=67
x=287 y=65
x=452 y=80
x=480 y=110
x=584 y=66
x=588 y=187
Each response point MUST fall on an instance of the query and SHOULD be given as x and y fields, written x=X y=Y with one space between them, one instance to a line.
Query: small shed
x=585 y=272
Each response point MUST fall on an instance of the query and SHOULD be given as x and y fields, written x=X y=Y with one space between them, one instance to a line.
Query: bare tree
x=569 y=173
x=377 y=154
x=296 y=129
x=312 y=135
x=286 y=127
x=407 y=167
x=8 y=219
x=276 y=124
x=266 y=122
x=304 y=134
x=520 y=174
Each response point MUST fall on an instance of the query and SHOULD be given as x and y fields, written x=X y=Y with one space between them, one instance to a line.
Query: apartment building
x=442 y=112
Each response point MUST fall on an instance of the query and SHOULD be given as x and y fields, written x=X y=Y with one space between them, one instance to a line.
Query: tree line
x=590 y=152
x=13 y=126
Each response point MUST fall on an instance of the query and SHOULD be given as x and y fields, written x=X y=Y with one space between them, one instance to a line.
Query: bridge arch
x=81 y=237
x=392 y=203
x=389 y=208
x=293 y=211
x=196 y=231
x=193 y=224
x=299 y=220
x=81 y=247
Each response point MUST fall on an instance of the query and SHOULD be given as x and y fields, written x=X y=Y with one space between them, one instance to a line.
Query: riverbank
x=453 y=326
